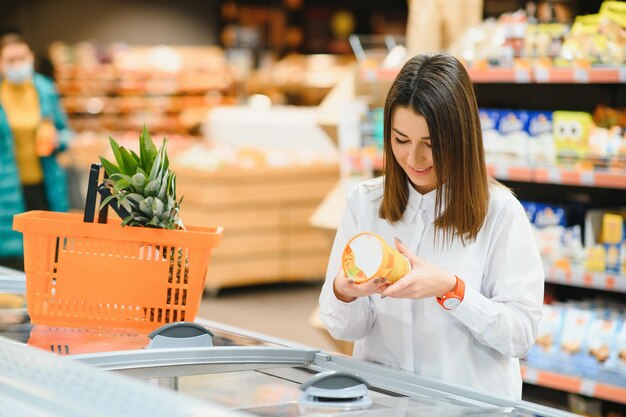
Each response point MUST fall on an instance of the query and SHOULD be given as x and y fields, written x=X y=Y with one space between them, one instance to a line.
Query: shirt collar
x=420 y=202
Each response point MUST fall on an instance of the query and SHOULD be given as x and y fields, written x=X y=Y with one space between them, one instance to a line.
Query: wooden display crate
x=265 y=213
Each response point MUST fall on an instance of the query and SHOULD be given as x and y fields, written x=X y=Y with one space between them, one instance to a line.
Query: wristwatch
x=452 y=299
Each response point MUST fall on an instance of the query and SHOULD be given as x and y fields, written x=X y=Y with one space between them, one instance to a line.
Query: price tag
x=542 y=75
x=554 y=176
x=559 y=274
x=581 y=75
x=587 y=178
x=532 y=376
x=501 y=171
x=622 y=74
x=588 y=387
x=522 y=76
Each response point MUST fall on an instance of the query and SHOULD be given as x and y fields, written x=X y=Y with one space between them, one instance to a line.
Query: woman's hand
x=347 y=290
x=423 y=281
x=46 y=139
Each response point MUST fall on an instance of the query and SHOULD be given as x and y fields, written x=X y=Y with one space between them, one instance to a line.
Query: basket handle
x=90 y=200
x=93 y=189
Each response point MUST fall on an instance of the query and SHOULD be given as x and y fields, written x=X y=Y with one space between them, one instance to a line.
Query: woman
x=33 y=129
x=466 y=236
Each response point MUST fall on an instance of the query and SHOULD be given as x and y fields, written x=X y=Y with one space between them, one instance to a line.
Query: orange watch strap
x=457 y=292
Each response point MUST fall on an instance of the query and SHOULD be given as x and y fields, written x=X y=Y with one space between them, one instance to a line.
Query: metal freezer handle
x=180 y=335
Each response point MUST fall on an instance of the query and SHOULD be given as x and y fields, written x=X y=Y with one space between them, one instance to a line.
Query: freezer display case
x=246 y=373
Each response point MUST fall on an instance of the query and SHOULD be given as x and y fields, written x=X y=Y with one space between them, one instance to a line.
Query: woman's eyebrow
x=399 y=133
x=406 y=136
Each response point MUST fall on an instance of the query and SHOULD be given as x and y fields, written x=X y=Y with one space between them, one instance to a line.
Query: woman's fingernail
x=376 y=280
x=351 y=281
x=398 y=240
x=383 y=279
x=383 y=296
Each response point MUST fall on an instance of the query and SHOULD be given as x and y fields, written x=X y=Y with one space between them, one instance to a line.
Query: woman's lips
x=421 y=171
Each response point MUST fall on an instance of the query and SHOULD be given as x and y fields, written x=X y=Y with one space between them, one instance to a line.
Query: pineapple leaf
x=158 y=161
x=164 y=186
x=127 y=220
x=147 y=150
x=109 y=166
x=134 y=198
x=153 y=222
x=120 y=176
x=120 y=185
x=166 y=160
x=136 y=158
x=115 y=147
x=129 y=161
x=125 y=204
x=106 y=201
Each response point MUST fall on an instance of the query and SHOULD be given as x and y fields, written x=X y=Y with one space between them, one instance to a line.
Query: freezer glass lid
x=276 y=392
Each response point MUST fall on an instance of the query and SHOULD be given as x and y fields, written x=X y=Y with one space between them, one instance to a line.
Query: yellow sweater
x=21 y=104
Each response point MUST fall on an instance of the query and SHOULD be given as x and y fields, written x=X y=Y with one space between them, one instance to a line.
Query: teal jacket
x=55 y=181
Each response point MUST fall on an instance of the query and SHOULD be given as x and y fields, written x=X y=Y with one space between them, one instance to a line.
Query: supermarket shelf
x=511 y=172
x=501 y=75
x=555 y=175
x=580 y=75
x=522 y=75
x=586 y=279
x=574 y=384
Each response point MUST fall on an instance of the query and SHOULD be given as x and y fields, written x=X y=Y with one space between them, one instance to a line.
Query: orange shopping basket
x=104 y=275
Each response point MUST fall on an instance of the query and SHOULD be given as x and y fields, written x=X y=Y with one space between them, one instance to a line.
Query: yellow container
x=368 y=256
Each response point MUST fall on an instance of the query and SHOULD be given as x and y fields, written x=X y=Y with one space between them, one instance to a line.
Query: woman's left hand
x=46 y=139
x=423 y=281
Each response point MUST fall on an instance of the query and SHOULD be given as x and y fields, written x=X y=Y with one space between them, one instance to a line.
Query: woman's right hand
x=347 y=290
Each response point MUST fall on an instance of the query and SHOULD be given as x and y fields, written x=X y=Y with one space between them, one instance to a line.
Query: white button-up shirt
x=477 y=344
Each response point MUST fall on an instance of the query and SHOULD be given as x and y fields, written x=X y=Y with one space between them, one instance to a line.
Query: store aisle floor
x=279 y=310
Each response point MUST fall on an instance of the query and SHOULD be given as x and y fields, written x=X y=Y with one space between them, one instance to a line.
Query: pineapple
x=143 y=184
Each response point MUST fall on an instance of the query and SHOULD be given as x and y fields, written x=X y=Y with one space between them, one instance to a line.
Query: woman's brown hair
x=438 y=88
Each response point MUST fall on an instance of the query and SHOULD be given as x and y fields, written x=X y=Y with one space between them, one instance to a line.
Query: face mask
x=18 y=74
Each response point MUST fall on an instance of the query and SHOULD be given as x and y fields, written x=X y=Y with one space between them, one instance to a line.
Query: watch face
x=451 y=303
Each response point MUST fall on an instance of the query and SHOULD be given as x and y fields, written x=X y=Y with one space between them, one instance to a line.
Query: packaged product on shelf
x=514 y=25
x=505 y=135
x=571 y=245
x=544 y=40
x=556 y=242
x=598 y=38
x=600 y=340
x=541 y=139
x=607 y=141
x=513 y=135
x=621 y=347
x=575 y=325
x=491 y=138
x=549 y=327
x=604 y=145
x=549 y=215
x=571 y=134
x=605 y=242
x=613 y=238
